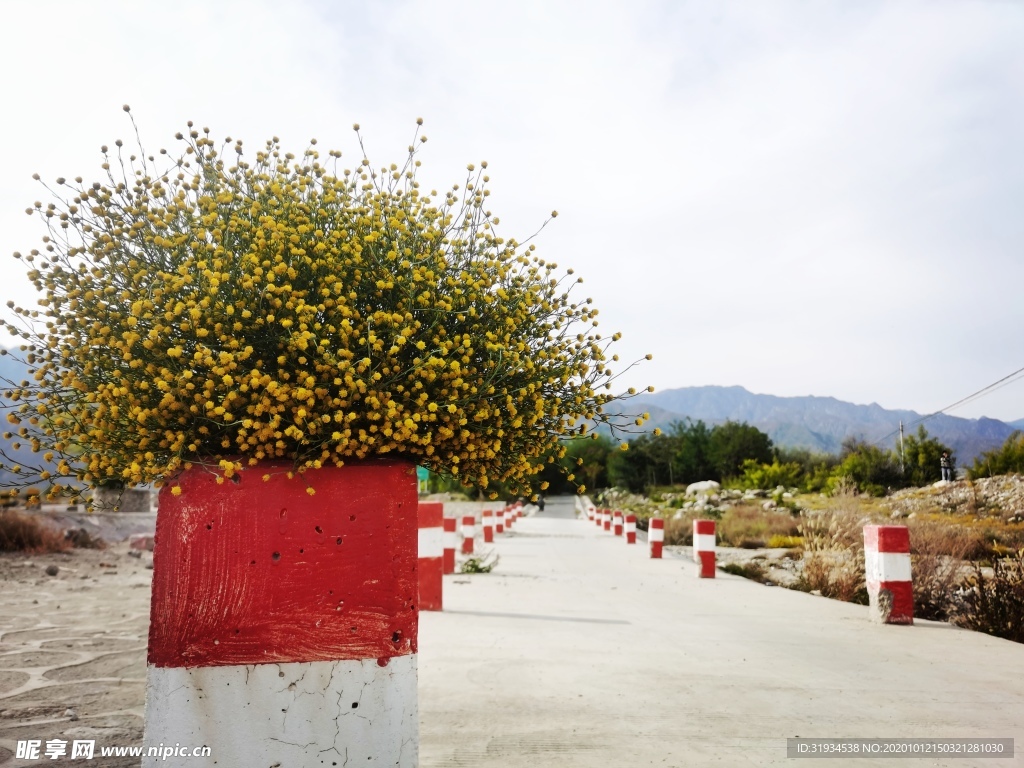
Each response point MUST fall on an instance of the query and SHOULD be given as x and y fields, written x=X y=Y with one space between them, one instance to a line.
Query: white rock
x=702 y=487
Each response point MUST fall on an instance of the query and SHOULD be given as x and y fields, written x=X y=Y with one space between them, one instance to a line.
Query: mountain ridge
x=822 y=423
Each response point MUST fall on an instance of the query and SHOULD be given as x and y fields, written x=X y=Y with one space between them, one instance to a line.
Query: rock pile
x=1001 y=496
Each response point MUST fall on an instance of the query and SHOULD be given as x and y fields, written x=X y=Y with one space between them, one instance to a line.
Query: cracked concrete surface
x=295 y=713
x=73 y=642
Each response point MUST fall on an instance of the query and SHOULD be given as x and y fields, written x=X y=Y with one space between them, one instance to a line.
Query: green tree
x=921 y=458
x=871 y=468
x=629 y=469
x=691 y=461
x=587 y=459
x=1006 y=460
x=732 y=443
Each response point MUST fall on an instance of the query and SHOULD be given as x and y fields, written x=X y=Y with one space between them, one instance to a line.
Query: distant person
x=540 y=502
x=945 y=466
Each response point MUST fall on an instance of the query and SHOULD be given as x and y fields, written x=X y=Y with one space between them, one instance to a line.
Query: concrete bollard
x=606 y=519
x=656 y=536
x=617 y=522
x=591 y=511
x=631 y=529
x=451 y=543
x=487 y=523
x=887 y=573
x=510 y=517
x=275 y=612
x=704 y=547
x=499 y=521
x=431 y=554
x=468 y=532
x=599 y=517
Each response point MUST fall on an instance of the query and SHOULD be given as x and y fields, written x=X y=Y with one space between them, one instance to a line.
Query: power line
x=963 y=401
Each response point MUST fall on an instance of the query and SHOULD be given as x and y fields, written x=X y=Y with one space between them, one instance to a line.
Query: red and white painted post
x=451 y=543
x=631 y=529
x=599 y=517
x=510 y=517
x=431 y=554
x=656 y=536
x=704 y=547
x=265 y=643
x=617 y=522
x=487 y=523
x=591 y=511
x=468 y=533
x=607 y=519
x=499 y=521
x=887 y=572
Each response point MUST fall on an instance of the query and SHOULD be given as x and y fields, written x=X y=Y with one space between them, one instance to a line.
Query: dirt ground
x=73 y=649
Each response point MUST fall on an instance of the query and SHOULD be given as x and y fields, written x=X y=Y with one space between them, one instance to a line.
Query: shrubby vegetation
x=1008 y=459
x=741 y=456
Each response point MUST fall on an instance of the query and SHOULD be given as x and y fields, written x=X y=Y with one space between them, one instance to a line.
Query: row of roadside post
x=886 y=556
x=441 y=537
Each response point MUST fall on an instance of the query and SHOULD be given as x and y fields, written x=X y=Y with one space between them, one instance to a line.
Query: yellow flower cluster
x=221 y=311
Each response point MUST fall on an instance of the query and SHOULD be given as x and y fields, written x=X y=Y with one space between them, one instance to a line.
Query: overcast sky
x=802 y=198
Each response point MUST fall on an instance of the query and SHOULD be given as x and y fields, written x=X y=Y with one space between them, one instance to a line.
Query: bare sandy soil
x=73 y=649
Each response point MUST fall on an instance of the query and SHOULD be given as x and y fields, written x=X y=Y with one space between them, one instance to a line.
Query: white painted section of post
x=886 y=566
x=449 y=539
x=655 y=534
x=431 y=542
x=319 y=712
x=703 y=542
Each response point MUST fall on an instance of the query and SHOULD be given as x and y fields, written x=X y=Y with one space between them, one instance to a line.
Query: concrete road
x=559 y=507
x=579 y=650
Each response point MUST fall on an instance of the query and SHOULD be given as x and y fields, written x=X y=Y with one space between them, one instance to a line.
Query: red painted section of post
x=887 y=573
x=299 y=566
x=617 y=522
x=451 y=542
x=656 y=536
x=704 y=547
x=431 y=554
x=468 y=532
x=487 y=523
x=631 y=529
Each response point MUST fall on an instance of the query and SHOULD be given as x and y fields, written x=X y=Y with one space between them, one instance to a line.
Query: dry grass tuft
x=938 y=552
x=993 y=604
x=751 y=527
x=834 y=554
x=24 y=533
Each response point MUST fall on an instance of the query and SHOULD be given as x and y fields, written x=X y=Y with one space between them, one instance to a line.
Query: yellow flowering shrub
x=223 y=309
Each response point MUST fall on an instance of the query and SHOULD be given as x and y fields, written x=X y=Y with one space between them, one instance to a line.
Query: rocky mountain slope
x=820 y=423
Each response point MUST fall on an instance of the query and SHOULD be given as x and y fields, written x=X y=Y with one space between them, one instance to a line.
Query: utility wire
x=963 y=401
